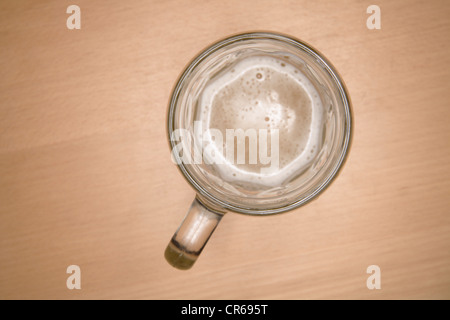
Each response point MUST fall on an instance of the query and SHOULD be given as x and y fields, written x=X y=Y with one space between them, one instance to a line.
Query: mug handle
x=192 y=235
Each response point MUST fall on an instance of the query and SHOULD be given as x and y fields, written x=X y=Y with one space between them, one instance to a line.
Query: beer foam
x=263 y=92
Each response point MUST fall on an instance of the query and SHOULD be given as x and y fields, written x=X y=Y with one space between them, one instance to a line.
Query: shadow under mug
x=216 y=196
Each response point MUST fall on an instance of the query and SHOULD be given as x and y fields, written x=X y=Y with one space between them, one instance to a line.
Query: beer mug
x=259 y=124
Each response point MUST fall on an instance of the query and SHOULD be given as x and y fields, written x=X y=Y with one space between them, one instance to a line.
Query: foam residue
x=264 y=93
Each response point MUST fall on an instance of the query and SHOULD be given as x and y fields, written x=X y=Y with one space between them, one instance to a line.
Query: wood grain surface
x=86 y=176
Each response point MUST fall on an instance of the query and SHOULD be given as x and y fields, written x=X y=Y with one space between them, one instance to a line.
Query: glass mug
x=217 y=195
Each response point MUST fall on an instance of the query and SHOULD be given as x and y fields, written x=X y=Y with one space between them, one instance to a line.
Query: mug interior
x=336 y=135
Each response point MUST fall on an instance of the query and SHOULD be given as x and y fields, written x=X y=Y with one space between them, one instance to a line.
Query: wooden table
x=86 y=177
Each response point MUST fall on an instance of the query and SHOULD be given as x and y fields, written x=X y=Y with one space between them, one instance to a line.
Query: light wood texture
x=86 y=176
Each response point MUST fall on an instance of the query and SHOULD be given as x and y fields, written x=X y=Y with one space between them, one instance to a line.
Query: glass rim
x=334 y=76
